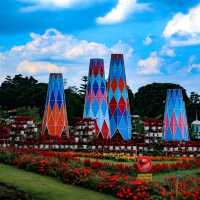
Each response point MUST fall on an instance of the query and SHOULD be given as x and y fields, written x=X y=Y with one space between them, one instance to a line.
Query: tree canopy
x=149 y=101
x=25 y=92
x=22 y=92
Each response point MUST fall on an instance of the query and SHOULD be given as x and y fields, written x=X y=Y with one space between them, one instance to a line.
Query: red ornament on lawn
x=144 y=164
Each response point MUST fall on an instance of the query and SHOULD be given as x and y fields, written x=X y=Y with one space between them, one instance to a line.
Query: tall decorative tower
x=55 y=121
x=96 y=106
x=119 y=110
x=175 y=118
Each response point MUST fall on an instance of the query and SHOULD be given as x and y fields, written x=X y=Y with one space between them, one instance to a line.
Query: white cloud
x=167 y=51
x=188 y=41
x=124 y=48
x=35 y=67
x=147 y=41
x=34 y=5
x=2 y=57
x=192 y=58
x=54 y=51
x=184 y=29
x=123 y=9
x=57 y=46
x=150 y=65
x=119 y=13
x=194 y=66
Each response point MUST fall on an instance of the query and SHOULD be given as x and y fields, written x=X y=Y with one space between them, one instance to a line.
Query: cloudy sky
x=160 y=39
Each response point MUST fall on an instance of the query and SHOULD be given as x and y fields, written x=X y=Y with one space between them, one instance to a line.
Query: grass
x=124 y=162
x=159 y=177
x=47 y=188
x=179 y=173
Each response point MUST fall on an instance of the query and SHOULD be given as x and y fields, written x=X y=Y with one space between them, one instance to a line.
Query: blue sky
x=160 y=39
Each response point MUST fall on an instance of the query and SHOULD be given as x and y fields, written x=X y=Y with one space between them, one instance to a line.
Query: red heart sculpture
x=144 y=164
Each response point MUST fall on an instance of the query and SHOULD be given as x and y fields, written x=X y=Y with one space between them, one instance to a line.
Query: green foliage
x=28 y=96
x=149 y=101
x=7 y=157
x=28 y=111
x=26 y=93
x=3 y=114
x=46 y=188
x=83 y=86
x=138 y=126
x=22 y=92
x=131 y=99
x=74 y=104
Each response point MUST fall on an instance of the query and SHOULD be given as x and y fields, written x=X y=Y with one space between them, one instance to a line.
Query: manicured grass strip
x=48 y=188
x=179 y=173
x=130 y=163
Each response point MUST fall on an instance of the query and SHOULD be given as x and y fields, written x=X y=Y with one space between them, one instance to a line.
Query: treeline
x=28 y=96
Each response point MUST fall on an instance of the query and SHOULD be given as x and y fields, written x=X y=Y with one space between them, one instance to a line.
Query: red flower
x=136 y=182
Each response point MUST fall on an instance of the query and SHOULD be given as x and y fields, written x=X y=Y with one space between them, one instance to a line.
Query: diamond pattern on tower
x=52 y=100
x=175 y=119
x=119 y=111
x=173 y=124
x=122 y=105
x=121 y=85
x=96 y=98
x=112 y=105
x=55 y=114
x=103 y=87
x=114 y=84
x=95 y=87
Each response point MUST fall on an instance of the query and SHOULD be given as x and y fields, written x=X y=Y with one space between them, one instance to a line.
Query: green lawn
x=181 y=173
x=160 y=177
x=47 y=188
x=43 y=187
x=121 y=162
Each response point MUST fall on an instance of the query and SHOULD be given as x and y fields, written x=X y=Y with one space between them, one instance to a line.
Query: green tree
x=74 y=104
x=28 y=96
x=149 y=101
x=28 y=111
x=131 y=99
x=83 y=86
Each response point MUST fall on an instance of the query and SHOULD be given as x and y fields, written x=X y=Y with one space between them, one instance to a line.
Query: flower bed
x=115 y=179
x=124 y=157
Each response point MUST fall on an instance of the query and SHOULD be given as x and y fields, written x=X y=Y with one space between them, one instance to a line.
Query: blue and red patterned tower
x=55 y=121
x=175 y=118
x=96 y=106
x=119 y=110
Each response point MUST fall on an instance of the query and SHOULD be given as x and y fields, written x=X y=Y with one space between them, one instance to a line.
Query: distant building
x=23 y=128
x=196 y=129
x=153 y=130
x=84 y=131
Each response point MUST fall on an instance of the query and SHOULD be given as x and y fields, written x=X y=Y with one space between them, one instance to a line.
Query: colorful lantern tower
x=175 y=118
x=55 y=121
x=96 y=106
x=119 y=110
